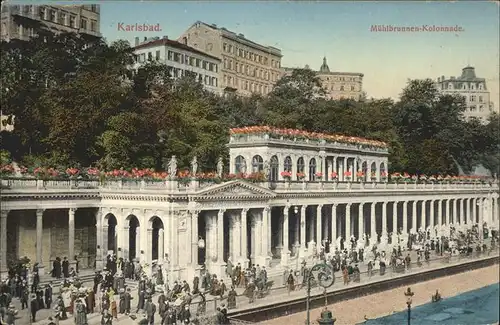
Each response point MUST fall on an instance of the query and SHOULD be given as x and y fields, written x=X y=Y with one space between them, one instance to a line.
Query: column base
x=285 y=257
x=4 y=274
x=244 y=262
x=41 y=270
x=263 y=261
x=220 y=269
x=99 y=264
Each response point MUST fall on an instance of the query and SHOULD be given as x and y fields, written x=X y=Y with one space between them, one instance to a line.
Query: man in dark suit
x=48 y=295
x=65 y=267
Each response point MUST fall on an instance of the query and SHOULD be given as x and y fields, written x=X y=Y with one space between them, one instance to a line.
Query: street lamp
x=409 y=294
x=325 y=278
x=296 y=209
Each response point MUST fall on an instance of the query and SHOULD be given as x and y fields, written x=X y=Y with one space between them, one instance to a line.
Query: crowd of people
x=186 y=304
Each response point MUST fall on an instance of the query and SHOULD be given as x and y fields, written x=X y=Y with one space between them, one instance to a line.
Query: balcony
x=192 y=186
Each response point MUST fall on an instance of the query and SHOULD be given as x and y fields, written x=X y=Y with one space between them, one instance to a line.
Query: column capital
x=348 y=205
x=320 y=206
x=335 y=205
x=194 y=212
x=221 y=212
x=267 y=209
x=244 y=211
x=72 y=211
x=39 y=212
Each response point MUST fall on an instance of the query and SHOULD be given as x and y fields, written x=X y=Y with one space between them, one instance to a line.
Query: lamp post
x=325 y=278
x=408 y=294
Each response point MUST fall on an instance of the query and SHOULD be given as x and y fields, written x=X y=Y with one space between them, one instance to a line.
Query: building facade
x=23 y=21
x=338 y=85
x=246 y=67
x=474 y=89
x=180 y=59
x=277 y=223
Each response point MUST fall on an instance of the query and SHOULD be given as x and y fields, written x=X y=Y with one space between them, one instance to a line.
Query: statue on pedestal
x=172 y=167
x=220 y=167
x=194 y=166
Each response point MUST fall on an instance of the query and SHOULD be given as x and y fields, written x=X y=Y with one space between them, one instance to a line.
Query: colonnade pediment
x=234 y=190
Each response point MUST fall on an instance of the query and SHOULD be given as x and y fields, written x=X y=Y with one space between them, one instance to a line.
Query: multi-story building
x=477 y=96
x=180 y=59
x=246 y=67
x=23 y=21
x=338 y=85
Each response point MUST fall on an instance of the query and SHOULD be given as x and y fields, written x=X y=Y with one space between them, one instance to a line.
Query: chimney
x=165 y=36
x=136 y=41
x=145 y=39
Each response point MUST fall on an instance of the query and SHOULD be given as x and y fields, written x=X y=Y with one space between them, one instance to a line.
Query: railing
x=196 y=185
x=281 y=291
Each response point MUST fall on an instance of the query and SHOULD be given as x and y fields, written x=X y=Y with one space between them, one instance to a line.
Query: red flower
x=347 y=173
x=333 y=175
x=286 y=174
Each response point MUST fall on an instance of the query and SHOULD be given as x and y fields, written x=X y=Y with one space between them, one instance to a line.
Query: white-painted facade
x=180 y=59
x=473 y=89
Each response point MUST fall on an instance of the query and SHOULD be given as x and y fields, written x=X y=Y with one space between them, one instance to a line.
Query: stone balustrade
x=19 y=184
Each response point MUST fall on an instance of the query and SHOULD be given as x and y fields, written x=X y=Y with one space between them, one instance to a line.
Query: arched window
x=288 y=164
x=257 y=164
x=312 y=169
x=240 y=165
x=300 y=165
x=274 y=169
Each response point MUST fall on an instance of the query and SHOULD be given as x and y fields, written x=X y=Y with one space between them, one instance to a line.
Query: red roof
x=172 y=43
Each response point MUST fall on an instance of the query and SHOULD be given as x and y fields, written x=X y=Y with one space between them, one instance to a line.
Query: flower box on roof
x=301 y=134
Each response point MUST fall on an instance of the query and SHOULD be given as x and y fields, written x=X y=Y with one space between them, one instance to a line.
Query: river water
x=477 y=307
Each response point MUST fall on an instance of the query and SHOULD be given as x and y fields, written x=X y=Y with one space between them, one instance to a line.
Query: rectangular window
x=83 y=23
x=473 y=98
x=93 y=25
x=72 y=21
x=157 y=55
x=53 y=16
x=62 y=18
x=150 y=56
x=198 y=63
x=93 y=8
x=41 y=13
x=170 y=55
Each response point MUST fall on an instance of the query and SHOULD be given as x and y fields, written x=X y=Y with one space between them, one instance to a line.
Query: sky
x=340 y=30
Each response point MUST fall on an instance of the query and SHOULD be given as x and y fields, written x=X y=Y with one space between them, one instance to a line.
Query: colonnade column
x=39 y=237
x=394 y=222
x=384 y=223
x=303 y=244
x=461 y=219
x=266 y=221
x=209 y=243
x=71 y=233
x=361 y=221
x=334 y=226
x=455 y=214
x=373 y=224
x=423 y=215
x=405 y=217
x=319 y=215
x=432 y=221
x=448 y=216
x=285 y=253
x=348 y=224
x=194 y=240
x=474 y=204
x=98 y=253
x=138 y=246
x=105 y=240
x=467 y=218
x=440 y=215
x=220 y=237
x=495 y=210
x=161 y=248
x=334 y=166
x=481 y=202
x=125 y=240
x=414 y=225
x=3 y=243
x=244 y=240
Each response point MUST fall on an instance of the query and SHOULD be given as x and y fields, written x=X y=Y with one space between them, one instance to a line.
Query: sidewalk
x=277 y=293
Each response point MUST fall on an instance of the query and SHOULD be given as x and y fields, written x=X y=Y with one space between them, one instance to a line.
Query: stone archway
x=157 y=238
x=373 y=171
x=133 y=225
x=110 y=223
